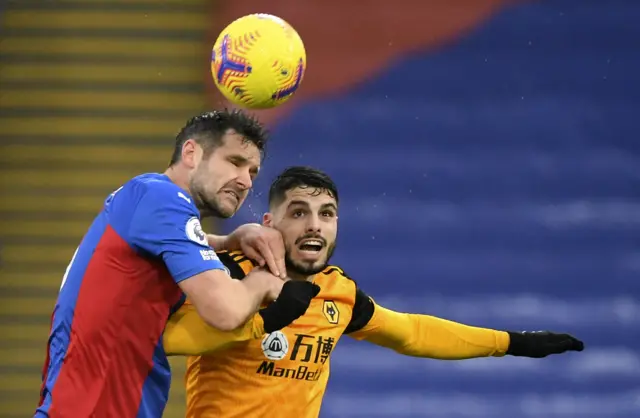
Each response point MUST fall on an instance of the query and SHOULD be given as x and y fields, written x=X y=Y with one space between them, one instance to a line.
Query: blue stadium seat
x=506 y=168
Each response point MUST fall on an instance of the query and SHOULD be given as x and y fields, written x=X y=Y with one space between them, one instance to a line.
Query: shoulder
x=238 y=264
x=152 y=197
x=152 y=203
x=336 y=273
x=158 y=187
x=335 y=281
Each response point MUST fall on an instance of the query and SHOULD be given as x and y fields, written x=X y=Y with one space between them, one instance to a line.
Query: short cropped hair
x=299 y=176
x=208 y=129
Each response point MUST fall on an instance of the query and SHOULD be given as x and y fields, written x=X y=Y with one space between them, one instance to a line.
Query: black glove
x=292 y=303
x=538 y=344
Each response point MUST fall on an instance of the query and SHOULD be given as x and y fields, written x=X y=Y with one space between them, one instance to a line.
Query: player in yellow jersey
x=246 y=373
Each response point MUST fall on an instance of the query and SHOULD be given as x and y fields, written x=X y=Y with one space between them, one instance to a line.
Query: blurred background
x=486 y=151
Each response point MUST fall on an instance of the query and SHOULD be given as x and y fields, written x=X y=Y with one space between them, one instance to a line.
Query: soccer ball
x=275 y=346
x=258 y=61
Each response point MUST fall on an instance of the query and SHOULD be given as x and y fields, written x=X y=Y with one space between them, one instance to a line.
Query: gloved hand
x=291 y=304
x=539 y=344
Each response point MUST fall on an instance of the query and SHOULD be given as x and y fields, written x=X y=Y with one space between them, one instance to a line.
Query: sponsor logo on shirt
x=208 y=255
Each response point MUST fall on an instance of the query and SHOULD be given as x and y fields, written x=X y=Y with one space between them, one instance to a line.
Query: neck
x=178 y=177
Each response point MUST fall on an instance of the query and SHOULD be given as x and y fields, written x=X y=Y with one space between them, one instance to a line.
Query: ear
x=191 y=153
x=267 y=220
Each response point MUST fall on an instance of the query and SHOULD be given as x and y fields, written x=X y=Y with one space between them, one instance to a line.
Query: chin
x=306 y=268
x=229 y=209
x=222 y=211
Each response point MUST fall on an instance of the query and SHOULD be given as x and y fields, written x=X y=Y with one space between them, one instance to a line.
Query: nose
x=244 y=180
x=313 y=223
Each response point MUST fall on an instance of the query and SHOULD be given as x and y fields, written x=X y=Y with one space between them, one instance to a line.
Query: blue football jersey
x=105 y=355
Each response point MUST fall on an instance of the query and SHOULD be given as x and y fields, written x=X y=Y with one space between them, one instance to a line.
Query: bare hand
x=262 y=244
x=272 y=284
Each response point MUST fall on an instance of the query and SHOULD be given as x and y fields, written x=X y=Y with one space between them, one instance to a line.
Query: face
x=308 y=221
x=220 y=183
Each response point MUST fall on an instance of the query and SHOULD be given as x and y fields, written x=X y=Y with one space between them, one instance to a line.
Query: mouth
x=311 y=246
x=232 y=194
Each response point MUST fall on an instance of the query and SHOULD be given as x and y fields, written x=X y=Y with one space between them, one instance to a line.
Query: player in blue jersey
x=143 y=253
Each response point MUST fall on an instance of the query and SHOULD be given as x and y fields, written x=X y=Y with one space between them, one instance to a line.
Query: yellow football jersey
x=246 y=379
x=244 y=373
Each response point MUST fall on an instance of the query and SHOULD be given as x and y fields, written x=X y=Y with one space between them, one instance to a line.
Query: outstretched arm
x=428 y=336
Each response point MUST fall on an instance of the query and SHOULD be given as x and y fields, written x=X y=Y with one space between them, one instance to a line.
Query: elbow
x=224 y=319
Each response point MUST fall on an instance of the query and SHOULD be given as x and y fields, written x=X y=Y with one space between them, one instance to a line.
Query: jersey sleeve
x=166 y=224
x=425 y=336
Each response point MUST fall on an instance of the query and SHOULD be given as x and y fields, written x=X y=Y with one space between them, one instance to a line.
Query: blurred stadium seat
x=92 y=94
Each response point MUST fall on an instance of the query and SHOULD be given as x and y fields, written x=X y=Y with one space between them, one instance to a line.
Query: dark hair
x=294 y=177
x=208 y=129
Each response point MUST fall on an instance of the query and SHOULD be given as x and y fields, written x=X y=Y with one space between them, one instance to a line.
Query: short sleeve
x=166 y=224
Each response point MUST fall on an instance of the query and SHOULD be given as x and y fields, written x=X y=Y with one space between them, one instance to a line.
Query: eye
x=327 y=214
x=297 y=213
x=237 y=161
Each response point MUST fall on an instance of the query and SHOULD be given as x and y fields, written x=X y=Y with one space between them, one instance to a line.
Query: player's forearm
x=223 y=302
x=428 y=336
x=187 y=333
x=218 y=242
x=253 y=294
x=235 y=304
